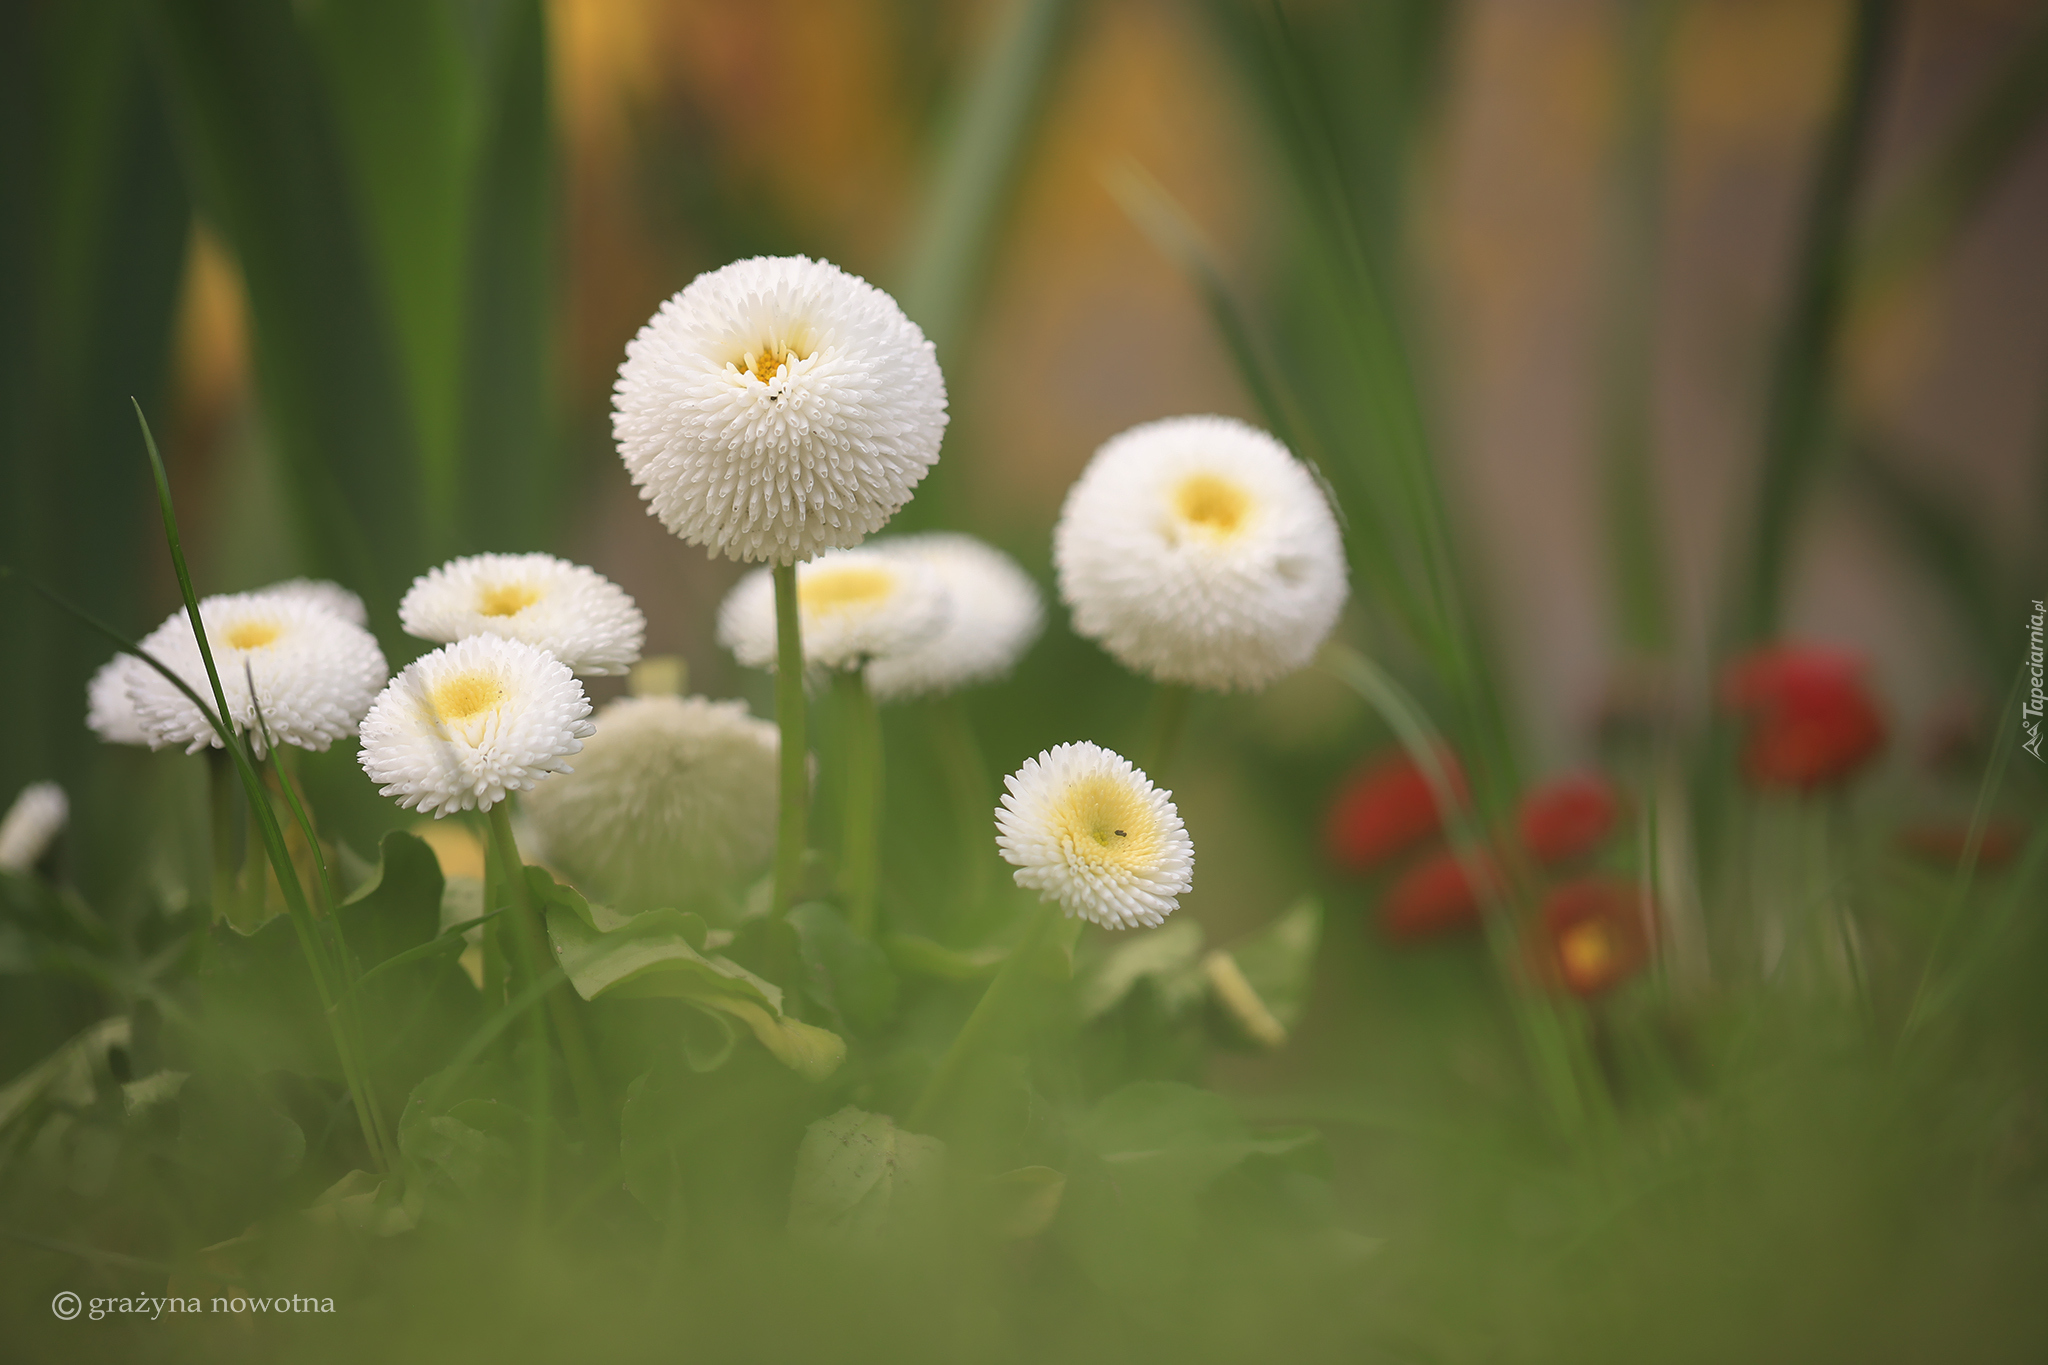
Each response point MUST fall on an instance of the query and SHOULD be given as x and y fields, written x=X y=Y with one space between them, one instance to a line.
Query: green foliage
x=861 y=1181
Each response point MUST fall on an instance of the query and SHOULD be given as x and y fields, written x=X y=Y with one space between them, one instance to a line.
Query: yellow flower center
x=466 y=695
x=1107 y=822
x=251 y=634
x=507 y=599
x=854 y=585
x=763 y=364
x=1212 y=504
x=1587 y=951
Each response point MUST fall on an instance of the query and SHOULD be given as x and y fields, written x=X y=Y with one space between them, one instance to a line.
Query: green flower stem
x=789 y=718
x=860 y=791
x=987 y=1013
x=220 y=804
x=529 y=936
x=965 y=773
x=526 y=975
x=1170 y=702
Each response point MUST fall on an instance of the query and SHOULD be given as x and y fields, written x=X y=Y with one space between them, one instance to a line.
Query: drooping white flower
x=673 y=797
x=1198 y=550
x=464 y=725
x=314 y=672
x=1086 y=828
x=852 y=606
x=326 y=595
x=995 y=613
x=109 y=711
x=31 y=825
x=574 y=613
x=777 y=407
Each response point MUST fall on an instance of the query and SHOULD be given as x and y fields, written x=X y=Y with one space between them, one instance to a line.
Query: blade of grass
x=1798 y=406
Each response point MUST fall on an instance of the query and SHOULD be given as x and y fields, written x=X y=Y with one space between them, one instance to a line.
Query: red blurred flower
x=1943 y=842
x=1438 y=894
x=1812 y=722
x=1597 y=933
x=1385 y=808
x=1567 y=818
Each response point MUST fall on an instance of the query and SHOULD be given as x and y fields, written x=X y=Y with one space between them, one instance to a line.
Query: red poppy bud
x=1597 y=933
x=1437 y=895
x=1812 y=723
x=1567 y=818
x=1384 y=809
x=1943 y=843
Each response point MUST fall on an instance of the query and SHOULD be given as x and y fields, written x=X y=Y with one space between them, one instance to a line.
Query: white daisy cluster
x=778 y=407
x=671 y=797
x=31 y=825
x=1197 y=550
x=574 y=613
x=472 y=721
x=314 y=674
x=920 y=614
x=1086 y=828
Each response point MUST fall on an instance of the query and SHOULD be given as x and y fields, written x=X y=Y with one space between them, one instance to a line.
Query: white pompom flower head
x=109 y=710
x=1198 y=551
x=778 y=407
x=574 y=613
x=472 y=721
x=327 y=595
x=995 y=614
x=314 y=674
x=852 y=606
x=671 y=799
x=1085 y=827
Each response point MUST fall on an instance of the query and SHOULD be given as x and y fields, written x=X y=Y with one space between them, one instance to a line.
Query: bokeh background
x=370 y=269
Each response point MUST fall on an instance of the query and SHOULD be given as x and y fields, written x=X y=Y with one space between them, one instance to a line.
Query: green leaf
x=1022 y=1203
x=1144 y=1159
x=1261 y=985
x=458 y=1138
x=847 y=974
x=915 y=955
x=1167 y=954
x=861 y=1180
x=399 y=907
x=651 y=954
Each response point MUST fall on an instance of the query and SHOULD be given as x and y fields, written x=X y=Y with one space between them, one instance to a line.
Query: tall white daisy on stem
x=1199 y=552
x=1098 y=841
x=775 y=408
x=462 y=728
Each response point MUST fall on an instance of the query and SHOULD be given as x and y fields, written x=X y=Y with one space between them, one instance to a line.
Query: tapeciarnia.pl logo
x=2036 y=700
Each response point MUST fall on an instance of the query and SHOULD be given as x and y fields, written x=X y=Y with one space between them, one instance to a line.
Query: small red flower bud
x=1383 y=809
x=1567 y=818
x=1943 y=842
x=1437 y=895
x=1597 y=933
x=1812 y=723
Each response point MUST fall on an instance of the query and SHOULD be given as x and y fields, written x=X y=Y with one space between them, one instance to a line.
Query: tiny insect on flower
x=1812 y=723
x=1438 y=895
x=1567 y=818
x=1384 y=809
x=1595 y=934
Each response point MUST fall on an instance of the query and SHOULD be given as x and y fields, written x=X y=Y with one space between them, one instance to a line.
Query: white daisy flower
x=109 y=712
x=323 y=594
x=574 y=613
x=315 y=673
x=31 y=825
x=464 y=725
x=1084 y=827
x=852 y=606
x=778 y=407
x=994 y=616
x=1198 y=550
x=671 y=798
